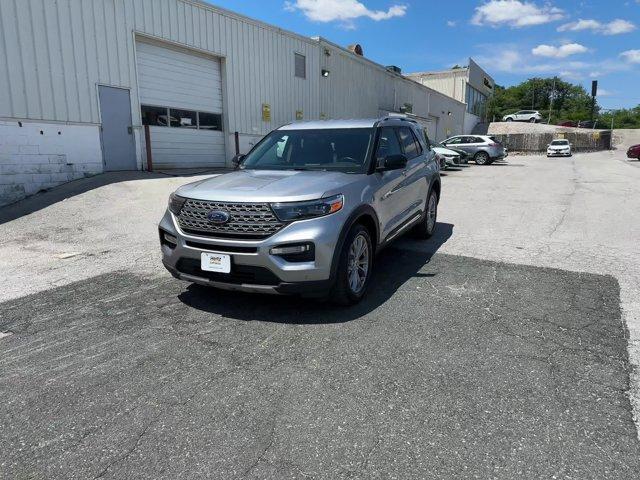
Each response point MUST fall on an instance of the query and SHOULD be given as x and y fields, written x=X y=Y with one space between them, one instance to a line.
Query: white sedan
x=452 y=159
x=559 y=148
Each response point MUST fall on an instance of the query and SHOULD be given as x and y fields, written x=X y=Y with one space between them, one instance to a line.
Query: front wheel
x=509 y=119
x=532 y=120
x=482 y=158
x=427 y=226
x=354 y=267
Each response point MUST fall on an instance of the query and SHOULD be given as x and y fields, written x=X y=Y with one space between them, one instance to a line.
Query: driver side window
x=388 y=144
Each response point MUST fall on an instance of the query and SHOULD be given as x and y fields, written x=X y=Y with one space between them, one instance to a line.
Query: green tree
x=563 y=100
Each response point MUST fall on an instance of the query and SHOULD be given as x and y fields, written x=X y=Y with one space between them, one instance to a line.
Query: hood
x=268 y=186
x=445 y=151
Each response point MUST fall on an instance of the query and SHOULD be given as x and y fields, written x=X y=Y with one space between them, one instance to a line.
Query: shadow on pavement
x=54 y=195
x=393 y=268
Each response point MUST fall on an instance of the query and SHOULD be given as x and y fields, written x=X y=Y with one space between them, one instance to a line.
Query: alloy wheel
x=358 y=264
x=432 y=213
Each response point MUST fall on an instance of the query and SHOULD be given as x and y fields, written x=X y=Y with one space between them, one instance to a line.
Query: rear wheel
x=482 y=158
x=354 y=267
x=427 y=226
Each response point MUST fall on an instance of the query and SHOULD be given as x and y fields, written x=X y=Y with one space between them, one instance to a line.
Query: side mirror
x=393 y=162
x=237 y=160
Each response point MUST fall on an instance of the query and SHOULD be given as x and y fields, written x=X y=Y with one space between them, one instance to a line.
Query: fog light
x=170 y=239
x=304 y=252
x=291 y=250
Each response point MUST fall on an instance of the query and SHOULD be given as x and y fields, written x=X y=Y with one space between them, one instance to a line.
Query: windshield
x=342 y=150
x=560 y=142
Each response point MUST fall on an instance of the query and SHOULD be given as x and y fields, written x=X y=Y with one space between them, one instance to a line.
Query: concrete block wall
x=36 y=156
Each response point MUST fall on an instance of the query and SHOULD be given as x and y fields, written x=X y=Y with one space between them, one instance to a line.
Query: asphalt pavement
x=453 y=367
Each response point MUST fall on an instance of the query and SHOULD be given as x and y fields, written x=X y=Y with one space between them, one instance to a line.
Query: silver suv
x=531 y=116
x=484 y=150
x=306 y=210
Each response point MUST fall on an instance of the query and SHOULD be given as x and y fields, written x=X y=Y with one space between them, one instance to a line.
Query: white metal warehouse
x=79 y=79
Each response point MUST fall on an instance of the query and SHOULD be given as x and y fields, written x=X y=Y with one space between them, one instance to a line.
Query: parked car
x=559 y=148
x=442 y=162
x=484 y=150
x=306 y=210
x=532 y=116
x=634 y=152
x=451 y=157
x=571 y=124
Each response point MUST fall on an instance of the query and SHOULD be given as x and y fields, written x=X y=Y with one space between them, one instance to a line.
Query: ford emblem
x=218 y=217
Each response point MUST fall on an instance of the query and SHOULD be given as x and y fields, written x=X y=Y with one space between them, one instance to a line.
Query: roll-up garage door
x=181 y=101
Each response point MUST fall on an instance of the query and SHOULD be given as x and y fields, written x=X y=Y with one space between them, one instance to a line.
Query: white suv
x=531 y=116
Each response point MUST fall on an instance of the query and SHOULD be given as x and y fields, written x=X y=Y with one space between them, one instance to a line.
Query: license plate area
x=215 y=262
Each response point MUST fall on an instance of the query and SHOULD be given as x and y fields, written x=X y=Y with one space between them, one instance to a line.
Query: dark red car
x=569 y=124
x=634 y=152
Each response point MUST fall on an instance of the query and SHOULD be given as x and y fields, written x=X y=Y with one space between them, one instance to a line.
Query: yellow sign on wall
x=299 y=114
x=266 y=112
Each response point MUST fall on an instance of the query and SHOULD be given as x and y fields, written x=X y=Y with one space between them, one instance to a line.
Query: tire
x=532 y=120
x=509 y=119
x=482 y=158
x=427 y=226
x=343 y=291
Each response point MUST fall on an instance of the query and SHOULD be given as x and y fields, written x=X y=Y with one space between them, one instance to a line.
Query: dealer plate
x=215 y=262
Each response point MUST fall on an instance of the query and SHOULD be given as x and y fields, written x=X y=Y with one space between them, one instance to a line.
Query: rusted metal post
x=147 y=142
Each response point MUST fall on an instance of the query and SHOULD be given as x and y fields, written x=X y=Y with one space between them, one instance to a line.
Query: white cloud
x=514 y=59
x=615 y=27
x=631 y=56
x=562 y=51
x=604 y=93
x=515 y=13
x=342 y=10
x=451 y=23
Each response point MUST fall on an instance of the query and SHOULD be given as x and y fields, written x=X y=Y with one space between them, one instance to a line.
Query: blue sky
x=512 y=39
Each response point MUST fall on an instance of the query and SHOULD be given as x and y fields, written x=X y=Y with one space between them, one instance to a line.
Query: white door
x=181 y=101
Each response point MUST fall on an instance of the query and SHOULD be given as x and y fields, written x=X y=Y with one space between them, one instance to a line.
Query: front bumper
x=558 y=153
x=633 y=154
x=253 y=268
x=452 y=161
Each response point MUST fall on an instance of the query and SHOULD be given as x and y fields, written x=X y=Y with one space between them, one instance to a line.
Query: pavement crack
x=130 y=450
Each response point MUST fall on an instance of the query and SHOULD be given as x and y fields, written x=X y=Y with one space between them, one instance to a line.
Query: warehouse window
x=179 y=118
x=183 y=118
x=209 y=121
x=300 y=65
x=154 y=116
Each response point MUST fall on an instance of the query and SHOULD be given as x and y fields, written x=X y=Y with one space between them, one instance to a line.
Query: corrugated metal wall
x=53 y=53
x=357 y=87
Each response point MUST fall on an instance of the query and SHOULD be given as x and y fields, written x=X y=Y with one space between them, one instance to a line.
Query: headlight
x=290 y=211
x=176 y=203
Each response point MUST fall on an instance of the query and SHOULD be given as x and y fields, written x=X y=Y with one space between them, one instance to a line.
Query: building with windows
x=471 y=85
x=88 y=86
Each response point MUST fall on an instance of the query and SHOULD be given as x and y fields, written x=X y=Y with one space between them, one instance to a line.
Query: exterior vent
x=357 y=49
x=394 y=69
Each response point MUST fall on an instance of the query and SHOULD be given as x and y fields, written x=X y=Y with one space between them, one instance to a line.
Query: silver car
x=484 y=150
x=306 y=211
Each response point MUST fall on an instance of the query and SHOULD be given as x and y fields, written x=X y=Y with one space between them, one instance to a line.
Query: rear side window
x=410 y=145
x=388 y=144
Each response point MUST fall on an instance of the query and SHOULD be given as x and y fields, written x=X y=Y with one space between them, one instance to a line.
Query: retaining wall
x=587 y=141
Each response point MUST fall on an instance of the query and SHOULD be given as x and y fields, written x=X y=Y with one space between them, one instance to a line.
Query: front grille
x=248 y=220
x=240 y=274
